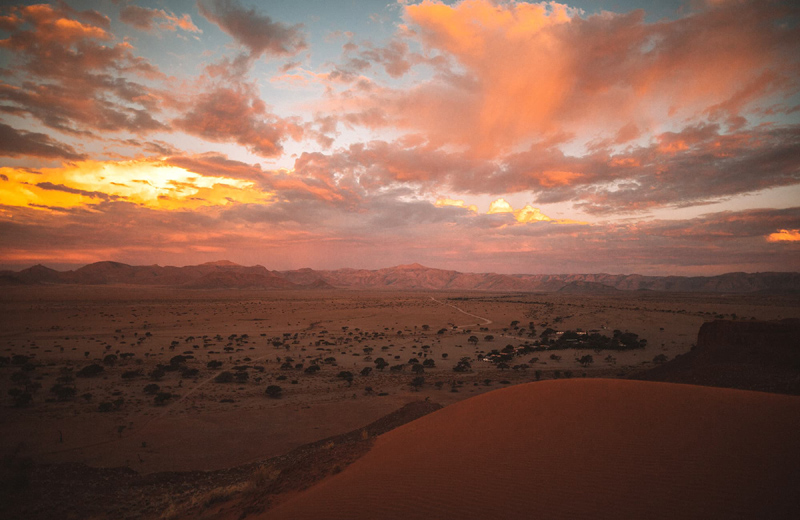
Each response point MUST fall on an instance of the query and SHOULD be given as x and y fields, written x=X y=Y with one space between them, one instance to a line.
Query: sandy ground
x=209 y=425
x=577 y=449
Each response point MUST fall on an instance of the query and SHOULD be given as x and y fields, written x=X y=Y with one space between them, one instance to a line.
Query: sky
x=619 y=136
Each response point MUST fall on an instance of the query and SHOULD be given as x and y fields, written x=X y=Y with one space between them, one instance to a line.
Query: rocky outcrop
x=749 y=355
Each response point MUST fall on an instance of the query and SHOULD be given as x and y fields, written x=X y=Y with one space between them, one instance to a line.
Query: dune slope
x=577 y=449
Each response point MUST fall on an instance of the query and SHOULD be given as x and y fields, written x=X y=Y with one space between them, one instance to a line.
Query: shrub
x=105 y=407
x=312 y=369
x=151 y=389
x=22 y=399
x=189 y=372
x=19 y=359
x=214 y=364
x=161 y=398
x=131 y=374
x=63 y=393
x=90 y=371
x=224 y=377
x=178 y=360
x=274 y=391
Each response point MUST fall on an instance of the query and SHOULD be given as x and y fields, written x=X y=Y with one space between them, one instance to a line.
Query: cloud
x=259 y=33
x=75 y=191
x=332 y=236
x=146 y=182
x=785 y=235
x=571 y=77
x=65 y=72
x=695 y=165
x=236 y=113
x=443 y=202
x=18 y=143
x=146 y=19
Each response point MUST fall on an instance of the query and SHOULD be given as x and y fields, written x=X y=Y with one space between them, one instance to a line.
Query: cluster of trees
x=595 y=341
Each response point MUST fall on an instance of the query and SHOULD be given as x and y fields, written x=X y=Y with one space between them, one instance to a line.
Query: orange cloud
x=785 y=235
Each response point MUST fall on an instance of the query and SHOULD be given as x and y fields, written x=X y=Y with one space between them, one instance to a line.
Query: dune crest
x=577 y=449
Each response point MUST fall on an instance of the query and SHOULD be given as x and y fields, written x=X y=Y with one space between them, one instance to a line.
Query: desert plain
x=181 y=376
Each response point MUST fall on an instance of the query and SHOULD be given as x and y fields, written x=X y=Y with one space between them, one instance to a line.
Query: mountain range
x=228 y=275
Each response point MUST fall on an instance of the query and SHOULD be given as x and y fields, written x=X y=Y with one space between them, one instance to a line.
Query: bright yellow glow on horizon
x=444 y=201
x=144 y=182
x=525 y=215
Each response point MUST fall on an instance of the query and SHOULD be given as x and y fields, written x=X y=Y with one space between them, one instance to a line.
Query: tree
x=502 y=366
x=274 y=391
x=214 y=364
x=473 y=340
x=347 y=376
x=366 y=371
x=418 y=369
x=660 y=359
x=586 y=360
x=417 y=382
x=462 y=366
x=151 y=389
x=312 y=369
x=380 y=364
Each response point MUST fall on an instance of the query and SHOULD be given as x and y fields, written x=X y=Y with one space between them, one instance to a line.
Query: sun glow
x=144 y=182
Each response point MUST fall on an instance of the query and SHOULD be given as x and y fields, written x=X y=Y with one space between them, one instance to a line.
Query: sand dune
x=577 y=449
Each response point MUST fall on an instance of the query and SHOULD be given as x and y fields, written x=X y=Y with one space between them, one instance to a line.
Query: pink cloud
x=527 y=71
x=236 y=113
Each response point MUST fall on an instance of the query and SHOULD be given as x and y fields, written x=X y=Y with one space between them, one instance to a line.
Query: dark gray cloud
x=256 y=31
x=20 y=143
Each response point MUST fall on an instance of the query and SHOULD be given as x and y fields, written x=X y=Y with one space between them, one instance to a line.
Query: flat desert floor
x=49 y=334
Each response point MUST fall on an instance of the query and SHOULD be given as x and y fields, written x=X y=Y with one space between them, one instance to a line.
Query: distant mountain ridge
x=224 y=274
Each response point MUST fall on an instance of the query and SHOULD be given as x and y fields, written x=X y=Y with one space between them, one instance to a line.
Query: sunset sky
x=616 y=136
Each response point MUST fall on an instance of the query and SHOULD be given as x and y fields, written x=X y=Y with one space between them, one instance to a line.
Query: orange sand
x=577 y=449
